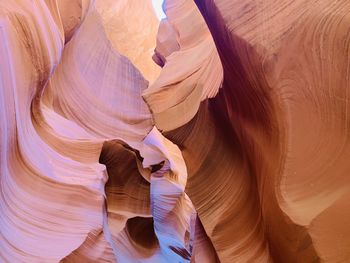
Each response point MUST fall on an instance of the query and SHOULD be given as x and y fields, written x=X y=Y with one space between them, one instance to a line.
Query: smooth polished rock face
x=218 y=134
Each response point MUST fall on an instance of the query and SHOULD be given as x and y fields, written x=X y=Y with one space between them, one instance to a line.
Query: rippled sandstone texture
x=235 y=150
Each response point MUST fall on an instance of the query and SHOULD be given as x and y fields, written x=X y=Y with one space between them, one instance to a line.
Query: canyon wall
x=234 y=148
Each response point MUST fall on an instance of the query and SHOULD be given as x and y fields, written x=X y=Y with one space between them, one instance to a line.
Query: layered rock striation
x=234 y=148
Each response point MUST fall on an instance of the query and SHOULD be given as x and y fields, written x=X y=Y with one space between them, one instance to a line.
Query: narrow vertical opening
x=158 y=7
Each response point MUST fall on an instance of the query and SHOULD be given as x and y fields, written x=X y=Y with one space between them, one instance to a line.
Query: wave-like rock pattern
x=252 y=98
x=273 y=143
x=43 y=196
x=69 y=101
x=178 y=90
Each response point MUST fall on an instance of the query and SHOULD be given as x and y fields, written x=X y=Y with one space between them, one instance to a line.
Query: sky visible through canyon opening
x=157 y=5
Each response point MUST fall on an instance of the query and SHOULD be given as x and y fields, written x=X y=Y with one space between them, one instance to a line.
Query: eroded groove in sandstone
x=309 y=119
x=178 y=91
x=280 y=114
x=253 y=100
x=41 y=192
x=52 y=184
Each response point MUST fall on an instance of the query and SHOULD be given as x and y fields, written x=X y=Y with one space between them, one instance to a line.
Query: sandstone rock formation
x=234 y=148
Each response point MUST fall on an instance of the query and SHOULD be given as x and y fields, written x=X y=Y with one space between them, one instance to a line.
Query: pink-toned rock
x=235 y=149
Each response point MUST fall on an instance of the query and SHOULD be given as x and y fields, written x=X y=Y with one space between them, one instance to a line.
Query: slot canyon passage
x=220 y=133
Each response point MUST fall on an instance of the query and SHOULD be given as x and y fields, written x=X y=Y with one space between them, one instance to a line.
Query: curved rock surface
x=235 y=149
x=273 y=143
x=131 y=26
x=61 y=104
